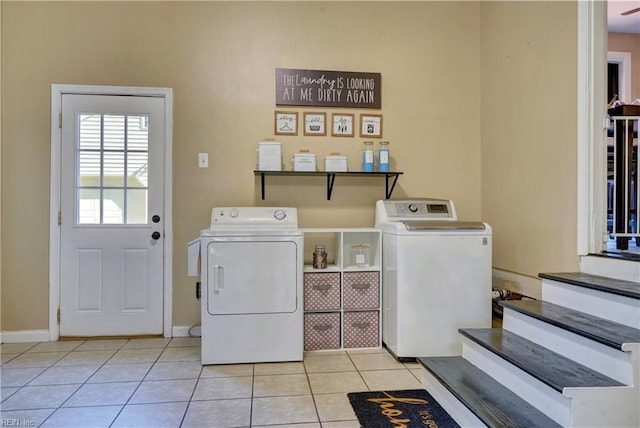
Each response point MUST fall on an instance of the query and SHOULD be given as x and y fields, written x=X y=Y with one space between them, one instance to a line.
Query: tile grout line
x=141 y=380
x=26 y=351
x=158 y=359
x=186 y=410
x=253 y=382
x=313 y=396
x=52 y=365
x=358 y=370
x=74 y=393
x=84 y=383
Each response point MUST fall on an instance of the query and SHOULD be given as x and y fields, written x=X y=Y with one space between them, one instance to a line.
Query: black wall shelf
x=390 y=178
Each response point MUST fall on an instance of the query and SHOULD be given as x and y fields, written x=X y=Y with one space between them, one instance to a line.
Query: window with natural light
x=112 y=160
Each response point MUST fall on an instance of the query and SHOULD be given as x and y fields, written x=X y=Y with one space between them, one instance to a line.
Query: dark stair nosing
x=601 y=283
x=601 y=330
x=493 y=403
x=632 y=257
x=550 y=368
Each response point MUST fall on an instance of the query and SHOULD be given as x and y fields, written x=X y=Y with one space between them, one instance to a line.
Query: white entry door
x=111 y=199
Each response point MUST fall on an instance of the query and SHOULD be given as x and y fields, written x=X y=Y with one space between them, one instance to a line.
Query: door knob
x=155 y=218
x=155 y=235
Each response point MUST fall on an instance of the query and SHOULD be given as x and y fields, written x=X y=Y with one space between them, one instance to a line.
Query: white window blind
x=112 y=160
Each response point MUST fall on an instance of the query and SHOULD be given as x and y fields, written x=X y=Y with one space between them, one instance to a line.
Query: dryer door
x=251 y=277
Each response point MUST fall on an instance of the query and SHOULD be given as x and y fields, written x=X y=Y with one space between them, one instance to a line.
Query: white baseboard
x=183 y=331
x=23 y=336
x=43 y=335
x=523 y=284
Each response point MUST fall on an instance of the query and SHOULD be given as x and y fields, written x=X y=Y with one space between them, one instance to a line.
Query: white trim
x=54 y=230
x=182 y=330
x=591 y=113
x=522 y=284
x=624 y=73
x=24 y=336
x=54 y=207
x=168 y=213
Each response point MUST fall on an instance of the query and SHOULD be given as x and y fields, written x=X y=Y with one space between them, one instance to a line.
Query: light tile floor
x=161 y=383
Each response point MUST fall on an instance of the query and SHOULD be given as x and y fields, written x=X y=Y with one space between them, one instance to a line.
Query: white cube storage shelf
x=342 y=302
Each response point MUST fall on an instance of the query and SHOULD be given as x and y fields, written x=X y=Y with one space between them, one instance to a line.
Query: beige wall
x=619 y=42
x=471 y=115
x=529 y=134
x=1 y=80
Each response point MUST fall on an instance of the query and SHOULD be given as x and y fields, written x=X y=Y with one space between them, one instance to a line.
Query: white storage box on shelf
x=334 y=163
x=269 y=156
x=304 y=162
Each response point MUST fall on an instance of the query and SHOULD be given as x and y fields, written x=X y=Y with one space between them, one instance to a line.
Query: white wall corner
x=522 y=284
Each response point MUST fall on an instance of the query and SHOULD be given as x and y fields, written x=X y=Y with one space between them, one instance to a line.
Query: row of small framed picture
x=315 y=123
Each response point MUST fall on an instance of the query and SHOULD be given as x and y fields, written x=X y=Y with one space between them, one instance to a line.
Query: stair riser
x=536 y=393
x=621 y=309
x=611 y=407
x=613 y=268
x=458 y=411
x=606 y=360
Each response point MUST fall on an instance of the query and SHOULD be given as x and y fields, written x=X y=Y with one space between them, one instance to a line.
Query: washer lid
x=444 y=225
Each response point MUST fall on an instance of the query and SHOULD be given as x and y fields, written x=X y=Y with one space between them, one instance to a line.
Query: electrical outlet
x=203 y=160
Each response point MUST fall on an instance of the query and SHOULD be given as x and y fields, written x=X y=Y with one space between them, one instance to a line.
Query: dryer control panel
x=254 y=216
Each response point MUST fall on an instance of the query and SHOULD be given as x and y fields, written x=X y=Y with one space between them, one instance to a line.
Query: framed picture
x=286 y=123
x=342 y=124
x=371 y=125
x=314 y=123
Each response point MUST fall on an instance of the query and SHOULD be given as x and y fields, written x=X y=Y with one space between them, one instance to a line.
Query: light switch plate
x=203 y=160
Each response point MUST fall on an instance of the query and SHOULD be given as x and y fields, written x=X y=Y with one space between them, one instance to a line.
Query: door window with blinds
x=112 y=161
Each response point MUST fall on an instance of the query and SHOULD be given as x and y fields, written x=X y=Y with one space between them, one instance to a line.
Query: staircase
x=571 y=359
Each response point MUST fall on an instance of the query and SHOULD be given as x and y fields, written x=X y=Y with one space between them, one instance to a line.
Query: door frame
x=591 y=120
x=57 y=91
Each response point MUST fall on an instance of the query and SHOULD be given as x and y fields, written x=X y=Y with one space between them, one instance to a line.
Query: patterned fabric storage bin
x=361 y=290
x=322 y=291
x=322 y=331
x=361 y=329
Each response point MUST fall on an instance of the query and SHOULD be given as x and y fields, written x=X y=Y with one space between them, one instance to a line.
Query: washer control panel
x=417 y=209
x=247 y=216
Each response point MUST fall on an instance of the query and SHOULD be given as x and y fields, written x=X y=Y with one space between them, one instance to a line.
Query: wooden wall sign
x=328 y=88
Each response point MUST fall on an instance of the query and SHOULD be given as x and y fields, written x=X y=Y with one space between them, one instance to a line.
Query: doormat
x=411 y=408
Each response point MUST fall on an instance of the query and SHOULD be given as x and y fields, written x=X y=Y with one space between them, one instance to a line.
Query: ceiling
x=623 y=24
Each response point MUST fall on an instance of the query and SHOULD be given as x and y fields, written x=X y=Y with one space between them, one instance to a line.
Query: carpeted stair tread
x=601 y=283
x=491 y=402
x=548 y=367
x=601 y=330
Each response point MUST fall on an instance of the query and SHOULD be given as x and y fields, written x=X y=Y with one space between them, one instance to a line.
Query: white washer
x=436 y=276
x=252 y=260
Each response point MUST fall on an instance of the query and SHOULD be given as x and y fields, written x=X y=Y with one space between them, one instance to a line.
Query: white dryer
x=436 y=276
x=251 y=303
